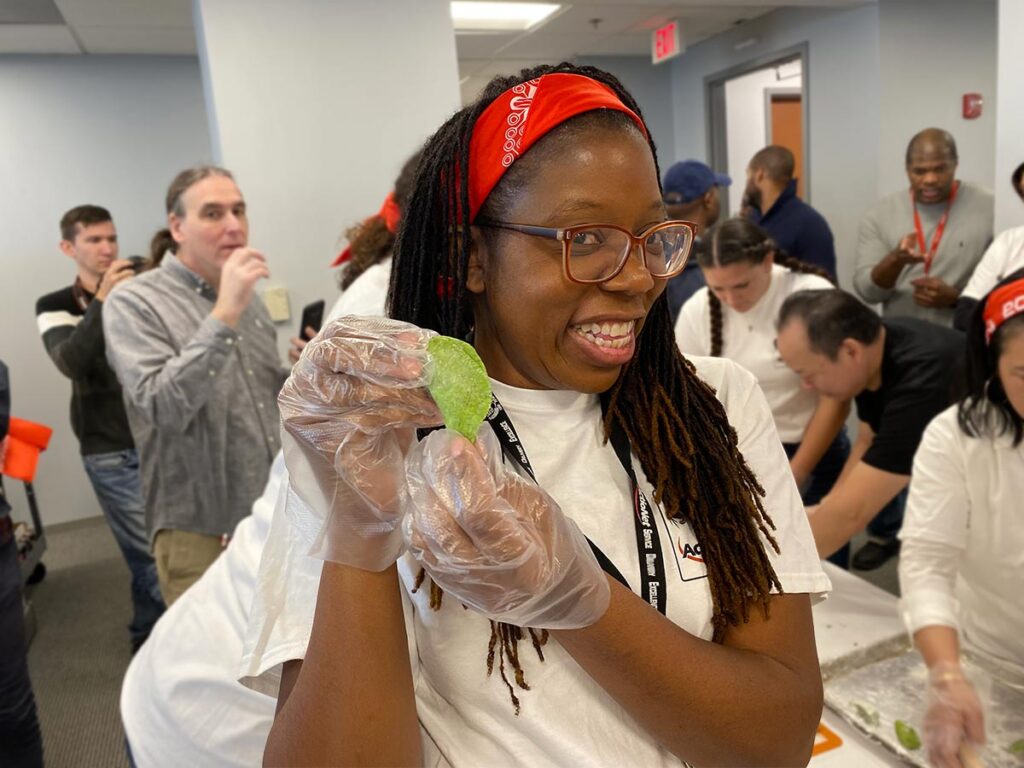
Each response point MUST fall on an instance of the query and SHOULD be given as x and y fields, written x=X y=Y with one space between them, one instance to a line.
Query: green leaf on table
x=906 y=735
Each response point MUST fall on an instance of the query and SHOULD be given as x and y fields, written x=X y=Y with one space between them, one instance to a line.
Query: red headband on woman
x=514 y=121
x=1001 y=305
x=389 y=212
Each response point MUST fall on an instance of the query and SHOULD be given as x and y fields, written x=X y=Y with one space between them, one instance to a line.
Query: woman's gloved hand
x=349 y=412
x=953 y=715
x=494 y=540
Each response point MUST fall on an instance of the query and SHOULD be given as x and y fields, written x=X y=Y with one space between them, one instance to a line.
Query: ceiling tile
x=135 y=14
x=482 y=45
x=36 y=38
x=167 y=41
x=29 y=12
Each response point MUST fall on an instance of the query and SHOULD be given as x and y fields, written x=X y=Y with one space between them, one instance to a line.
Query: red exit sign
x=666 y=42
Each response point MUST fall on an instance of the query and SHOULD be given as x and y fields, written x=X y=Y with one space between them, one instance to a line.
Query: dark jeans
x=887 y=523
x=115 y=479
x=823 y=478
x=21 y=745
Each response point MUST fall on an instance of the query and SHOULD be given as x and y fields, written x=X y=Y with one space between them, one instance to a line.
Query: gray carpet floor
x=81 y=649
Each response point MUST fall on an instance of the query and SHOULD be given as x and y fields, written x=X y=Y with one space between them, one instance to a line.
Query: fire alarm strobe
x=972 y=106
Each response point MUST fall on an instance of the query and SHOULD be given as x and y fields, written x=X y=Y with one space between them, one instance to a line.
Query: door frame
x=714 y=107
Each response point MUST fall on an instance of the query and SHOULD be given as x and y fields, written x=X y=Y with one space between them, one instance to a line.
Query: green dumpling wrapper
x=459 y=385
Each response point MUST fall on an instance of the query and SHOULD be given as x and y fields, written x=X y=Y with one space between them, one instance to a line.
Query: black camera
x=139 y=263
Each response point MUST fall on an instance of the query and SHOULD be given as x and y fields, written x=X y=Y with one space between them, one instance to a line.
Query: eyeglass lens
x=596 y=254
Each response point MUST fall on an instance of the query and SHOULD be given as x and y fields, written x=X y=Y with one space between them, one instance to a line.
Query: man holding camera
x=71 y=323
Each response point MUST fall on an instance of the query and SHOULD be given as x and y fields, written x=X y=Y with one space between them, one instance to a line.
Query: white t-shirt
x=1003 y=257
x=367 y=295
x=962 y=561
x=181 y=702
x=749 y=339
x=566 y=718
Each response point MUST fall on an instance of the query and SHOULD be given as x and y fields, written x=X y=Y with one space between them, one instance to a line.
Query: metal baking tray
x=894 y=689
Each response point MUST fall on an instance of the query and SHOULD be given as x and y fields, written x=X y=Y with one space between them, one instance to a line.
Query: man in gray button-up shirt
x=196 y=353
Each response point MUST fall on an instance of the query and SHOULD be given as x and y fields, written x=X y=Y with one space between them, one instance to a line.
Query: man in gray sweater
x=916 y=249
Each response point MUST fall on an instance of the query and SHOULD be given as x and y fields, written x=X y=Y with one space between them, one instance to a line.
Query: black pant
x=824 y=476
x=21 y=745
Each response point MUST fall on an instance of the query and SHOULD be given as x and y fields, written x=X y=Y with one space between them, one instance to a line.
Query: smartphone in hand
x=312 y=317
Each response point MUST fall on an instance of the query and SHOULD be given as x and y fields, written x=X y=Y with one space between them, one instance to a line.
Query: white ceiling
x=165 y=27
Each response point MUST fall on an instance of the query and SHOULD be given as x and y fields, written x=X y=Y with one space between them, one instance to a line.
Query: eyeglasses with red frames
x=595 y=253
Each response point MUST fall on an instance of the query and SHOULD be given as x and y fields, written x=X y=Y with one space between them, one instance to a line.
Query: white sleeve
x=368 y=294
x=927 y=575
x=797 y=563
x=693 y=326
x=989 y=270
x=281 y=616
x=935 y=527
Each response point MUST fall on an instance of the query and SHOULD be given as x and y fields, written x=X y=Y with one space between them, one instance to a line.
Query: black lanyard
x=648 y=542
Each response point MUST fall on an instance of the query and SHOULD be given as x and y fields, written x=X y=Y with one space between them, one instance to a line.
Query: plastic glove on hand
x=953 y=716
x=496 y=541
x=349 y=411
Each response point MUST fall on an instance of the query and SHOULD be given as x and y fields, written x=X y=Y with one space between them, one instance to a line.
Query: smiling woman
x=625 y=511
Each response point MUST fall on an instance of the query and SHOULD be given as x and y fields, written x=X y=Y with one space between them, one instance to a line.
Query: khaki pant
x=181 y=558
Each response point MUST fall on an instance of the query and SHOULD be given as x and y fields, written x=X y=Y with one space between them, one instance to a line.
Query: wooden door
x=787 y=130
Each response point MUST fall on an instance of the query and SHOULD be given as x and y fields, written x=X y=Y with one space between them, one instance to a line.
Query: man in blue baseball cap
x=690 y=190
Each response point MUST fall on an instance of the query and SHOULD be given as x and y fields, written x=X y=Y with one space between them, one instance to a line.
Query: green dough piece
x=1017 y=748
x=459 y=385
x=907 y=735
x=868 y=714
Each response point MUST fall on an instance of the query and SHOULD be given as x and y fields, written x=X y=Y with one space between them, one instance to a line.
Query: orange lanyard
x=929 y=253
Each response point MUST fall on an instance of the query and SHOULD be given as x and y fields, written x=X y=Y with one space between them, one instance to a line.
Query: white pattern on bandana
x=519 y=110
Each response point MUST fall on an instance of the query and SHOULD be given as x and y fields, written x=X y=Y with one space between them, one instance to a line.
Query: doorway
x=753 y=105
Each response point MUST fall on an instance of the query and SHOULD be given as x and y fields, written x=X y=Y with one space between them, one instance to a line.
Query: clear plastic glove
x=494 y=540
x=349 y=411
x=953 y=715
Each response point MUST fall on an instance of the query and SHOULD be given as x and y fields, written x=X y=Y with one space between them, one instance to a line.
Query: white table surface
x=856 y=615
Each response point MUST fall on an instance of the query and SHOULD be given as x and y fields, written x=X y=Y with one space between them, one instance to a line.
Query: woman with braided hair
x=615 y=571
x=734 y=316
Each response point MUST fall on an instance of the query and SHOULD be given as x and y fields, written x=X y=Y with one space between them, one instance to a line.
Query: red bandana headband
x=1001 y=305
x=389 y=212
x=517 y=119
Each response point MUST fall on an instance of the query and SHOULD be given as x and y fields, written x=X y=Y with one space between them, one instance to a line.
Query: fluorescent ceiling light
x=499 y=17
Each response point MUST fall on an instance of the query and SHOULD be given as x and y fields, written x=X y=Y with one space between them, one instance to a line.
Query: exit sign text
x=666 y=42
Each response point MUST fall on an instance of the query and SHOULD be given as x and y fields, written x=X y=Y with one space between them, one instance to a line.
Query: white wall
x=315 y=106
x=746 y=122
x=1009 y=115
x=651 y=86
x=932 y=52
x=110 y=130
x=841 y=94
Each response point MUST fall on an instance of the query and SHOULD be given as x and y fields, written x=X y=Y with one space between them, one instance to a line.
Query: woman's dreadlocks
x=676 y=426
